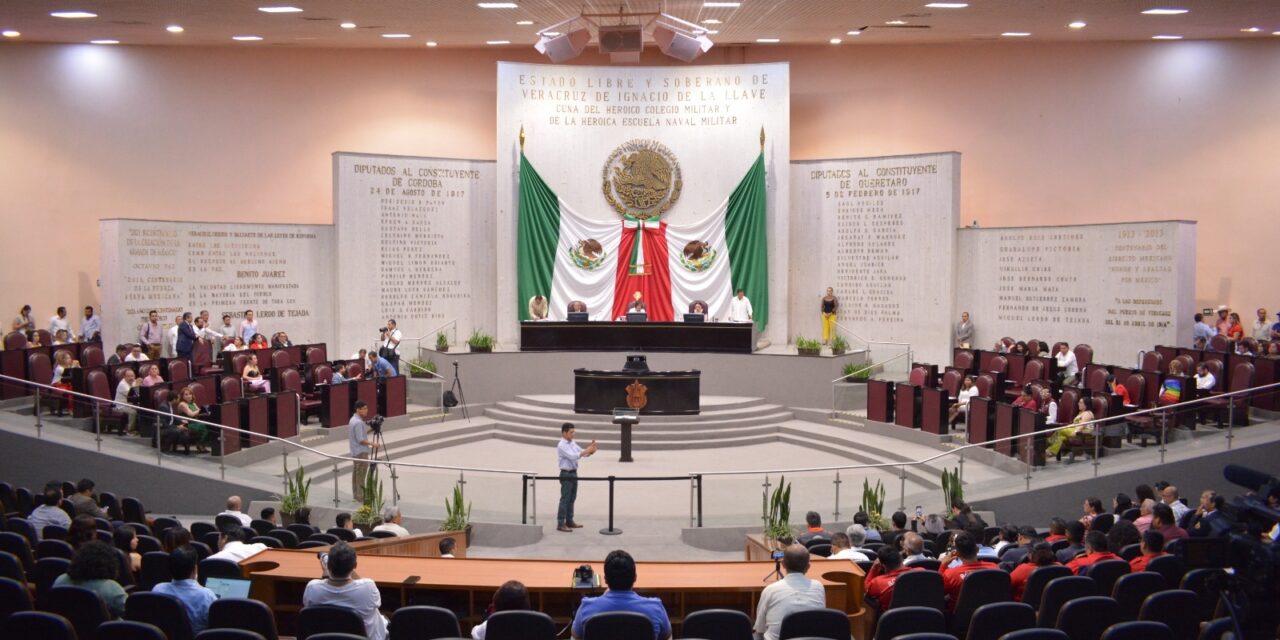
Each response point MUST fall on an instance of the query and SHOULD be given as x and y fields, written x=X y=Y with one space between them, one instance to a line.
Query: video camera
x=375 y=423
x=1251 y=581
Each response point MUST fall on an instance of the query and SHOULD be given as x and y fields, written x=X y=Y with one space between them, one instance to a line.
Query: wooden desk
x=699 y=337
x=466 y=585
x=418 y=545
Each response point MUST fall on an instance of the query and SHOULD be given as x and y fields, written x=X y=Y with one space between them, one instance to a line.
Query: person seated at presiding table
x=794 y=592
x=194 y=598
x=815 y=530
x=231 y=544
x=883 y=575
x=251 y=375
x=620 y=576
x=344 y=588
x=1152 y=547
x=1040 y=555
x=511 y=596
x=95 y=566
x=234 y=505
x=153 y=376
x=1059 y=437
x=538 y=307
x=391 y=521
x=842 y=549
x=637 y=303
x=966 y=550
x=1095 y=551
x=49 y=513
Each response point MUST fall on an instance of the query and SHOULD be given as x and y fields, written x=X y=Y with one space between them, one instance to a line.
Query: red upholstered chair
x=46 y=338
x=60 y=350
x=202 y=359
x=321 y=374
x=40 y=370
x=1136 y=385
x=964 y=360
x=1096 y=380
x=204 y=394
x=1084 y=355
x=1056 y=347
x=1085 y=443
x=291 y=380
x=1188 y=364
x=1215 y=367
x=15 y=340
x=1008 y=342
x=986 y=384
x=701 y=302
x=1219 y=343
x=1150 y=424
x=918 y=377
x=1032 y=372
x=1153 y=362
x=316 y=354
x=1067 y=405
x=98 y=386
x=118 y=375
x=951 y=383
x=998 y=364
x=179 y=371
x=91 y=356
x=238 y=361
x=281 y=359
x=231 y=389
x=355 y=370
x=576 y=306
x=1241 y=379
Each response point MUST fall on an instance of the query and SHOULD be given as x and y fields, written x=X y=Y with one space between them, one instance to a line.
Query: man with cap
x=1224 y=322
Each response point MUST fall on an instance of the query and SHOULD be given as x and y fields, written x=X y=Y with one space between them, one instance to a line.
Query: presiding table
x=709 y=337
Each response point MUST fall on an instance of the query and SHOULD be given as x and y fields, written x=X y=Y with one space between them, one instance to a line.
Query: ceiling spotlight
x=524 y=23
x=1078 y=25
x=432 y=43
x=1251 y=30
x=836 y=41
x=246 y=38
x=1165 y=12
x=1166 y=37
x=497 y=5
x=768 y=40
x=348 y=25
x=1016 y=34
x=497 y=42
x=73 y=14
x=10 y=33
x=104 y=42
x=396 y=35
x=173 y=28
x=279 y=9
x=896 y=22
x=855 y=32
x=947 y=5
x=722 y=5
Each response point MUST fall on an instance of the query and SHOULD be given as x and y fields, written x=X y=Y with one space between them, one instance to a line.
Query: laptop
x=637 y=317
x=577 y=316
x=695 y=317
x=228 y=587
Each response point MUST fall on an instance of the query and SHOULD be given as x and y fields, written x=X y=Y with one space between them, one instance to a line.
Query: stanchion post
x=524 y=498
x=611 y=531
x=836 y=515
x=1097 y=448
x=699 y=500
x=902 y=492
x=39 y=418
x=222 y=453
x=336 y=502
x=97 y=425
x=961 y=476
x=1164 y=438
x=764 y=501
x=533 y=515
x=284 y=464
x=1027 y=457
x=1231 y=420
x=692 y=497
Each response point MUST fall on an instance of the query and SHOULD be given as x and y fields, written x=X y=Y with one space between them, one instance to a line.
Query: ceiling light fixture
x=73 y=14
x=246 y=38
x=10 y=33
x=1251 y=30
x=524 y=23
x=1275 y=33
x=947 y=5
x=768 y=40
x=173 y=28
x=722 y=5
x=836 y=41
x=396 y=35
x=104 y=42
x=855 y=32
x=551 y=34
x=1166 y=37
x=497 y=42
x=1159 y=11
x=896 y=22
x=497 y=5
x=348 y=25
x=279 y=9
x=711 y=21
x=432 y=43
x=1016 y=34
x=1078 y=24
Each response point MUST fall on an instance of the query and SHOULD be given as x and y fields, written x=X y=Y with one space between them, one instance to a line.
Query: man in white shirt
x=344 y=588
x=1262 y=328
x=60 y=322
x=170 y=349
x=1170 y=497
x=90 y=327
x=391 y=519
x=233 y=509
x=231 y=545
x=740 y=308
x=227 y=330
x=127 y=383
x=1204 y=379
x=912 y=548
x=1067 y=366
x=858 y=537
x=446 y=547
x=794 y=592
x=840 y=548
x=135 y=354
x=390 y=347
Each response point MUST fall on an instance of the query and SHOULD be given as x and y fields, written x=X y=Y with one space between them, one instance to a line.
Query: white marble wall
x=1119 y=287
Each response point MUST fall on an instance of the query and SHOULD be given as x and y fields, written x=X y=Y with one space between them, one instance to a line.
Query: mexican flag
x=568 y=258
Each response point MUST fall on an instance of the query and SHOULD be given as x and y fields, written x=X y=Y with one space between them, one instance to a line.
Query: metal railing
x=890 y=354
x=448 y=329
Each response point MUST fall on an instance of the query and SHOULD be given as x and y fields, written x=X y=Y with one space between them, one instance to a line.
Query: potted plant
x=480 y=342
x=297 y=486
x=777 y=527
x=807 y=347
x=442 y=342
x=873 y=504
x=839 y=346
x=952 y=489
x=421 y=368
x=858 y=372
x=369 y=514
x=457 y=518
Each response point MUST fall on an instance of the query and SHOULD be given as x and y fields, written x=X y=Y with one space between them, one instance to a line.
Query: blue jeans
x=568 y=494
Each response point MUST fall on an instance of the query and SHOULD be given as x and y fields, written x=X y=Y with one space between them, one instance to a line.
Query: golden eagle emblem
x=642 y=179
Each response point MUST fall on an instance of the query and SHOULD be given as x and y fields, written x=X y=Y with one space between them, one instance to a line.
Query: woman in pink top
x=153 y=376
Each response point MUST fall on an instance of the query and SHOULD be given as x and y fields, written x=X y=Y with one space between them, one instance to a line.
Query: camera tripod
x=776 y=574
x=386 y=457
x=456 y=388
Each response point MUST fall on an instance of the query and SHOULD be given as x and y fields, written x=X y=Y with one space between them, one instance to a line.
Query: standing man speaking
x=569 y=454
x=361 y=445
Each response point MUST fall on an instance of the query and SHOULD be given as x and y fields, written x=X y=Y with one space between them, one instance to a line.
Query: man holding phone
x=342 y=587
x=569 y=454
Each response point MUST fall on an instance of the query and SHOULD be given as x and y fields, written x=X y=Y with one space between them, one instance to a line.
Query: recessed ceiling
x=459 y=23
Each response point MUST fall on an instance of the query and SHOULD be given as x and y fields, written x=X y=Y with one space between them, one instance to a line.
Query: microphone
x=1251 y=479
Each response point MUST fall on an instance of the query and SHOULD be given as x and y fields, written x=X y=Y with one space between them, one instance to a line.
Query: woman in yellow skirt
x=1060 y=436
x=828 y=316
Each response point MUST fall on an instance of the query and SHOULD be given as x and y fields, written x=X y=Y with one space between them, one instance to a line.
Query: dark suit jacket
x=186 y=338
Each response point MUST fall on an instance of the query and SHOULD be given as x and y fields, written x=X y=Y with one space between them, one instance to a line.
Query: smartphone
x=323 y=557
x=919 y=511
x=412 y=580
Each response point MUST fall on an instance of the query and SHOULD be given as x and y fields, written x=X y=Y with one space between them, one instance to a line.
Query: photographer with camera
x=361 y=444
x=389 y=344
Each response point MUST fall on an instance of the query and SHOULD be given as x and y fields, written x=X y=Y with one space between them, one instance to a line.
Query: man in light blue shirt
x=360 y=444
x=339 y=374
x=620 y=575
x=90 y=327
x=569 y=453
x=381 y=367
x=49 y=512
x=1202 y=329
x=195 y=598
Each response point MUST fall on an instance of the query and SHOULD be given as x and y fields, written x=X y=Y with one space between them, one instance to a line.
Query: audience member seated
x=174 y=538
x=339 y=373
x=94 y=567
x=49 y=513
x=1008 y=538
x=1143 y=523
x=966 y=550
x=913 y=548
x=231 y=545
x=1122 y=534
x=883 y=575
x=153 y=376
x=83 y=529
x=794 y=592
x=1068 y=368
x=975 y=531
x=863 y=519
x=1162 y=520
x=344 y=521
x=1040 y=555
x=1092 y=509
x=968 y=391
x=1120 y=504
x=446 y=547
x=136 y=354
x=1027 y=538
x=1057 y=530
x=1152 y=547
x=236 y=344
x=1208 y=521
x=1095 y=551
x=899 y=523
x=84 y=502
x=815 y=530
x=620 y=576
x=1075 y=538
x=252 y=378
x=195 y=598
x=391 y=521
x=269 y=514
x=125 y=540
x=233 y=509
x=858 y=537
x=1084 y=414
x=963 y=517
x=511 y=596
x=842 y=549
x=343 y=587
x=1169 y=495
x=128 y=388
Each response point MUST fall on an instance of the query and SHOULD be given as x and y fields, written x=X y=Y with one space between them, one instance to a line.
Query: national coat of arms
x=641 y=179
x=587 y=254
x=637 y=395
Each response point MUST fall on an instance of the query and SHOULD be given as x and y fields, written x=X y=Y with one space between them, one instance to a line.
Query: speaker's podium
x=626 y=418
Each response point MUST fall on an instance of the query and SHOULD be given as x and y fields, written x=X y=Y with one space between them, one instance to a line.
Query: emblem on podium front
x=642 y=179
x=637 y=395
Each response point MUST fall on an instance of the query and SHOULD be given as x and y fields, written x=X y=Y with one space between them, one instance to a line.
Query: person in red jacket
x=1152 y=548
x=966 y=549
x=1057 y=530
x=1095 y=551
x=1041 y=555
x=884 y=573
